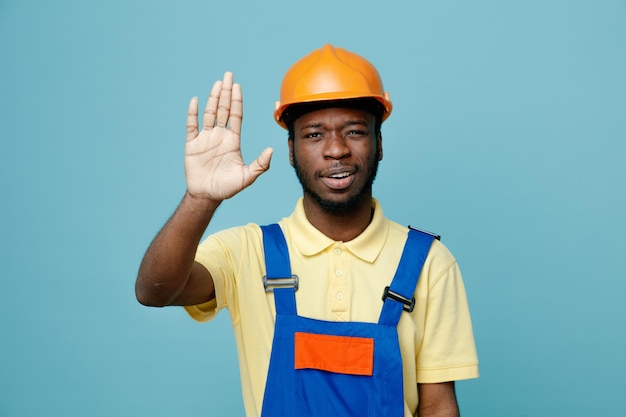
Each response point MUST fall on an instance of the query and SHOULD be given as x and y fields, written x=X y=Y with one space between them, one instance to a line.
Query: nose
x=336 y=147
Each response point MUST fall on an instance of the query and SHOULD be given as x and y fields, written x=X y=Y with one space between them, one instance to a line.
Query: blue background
x=507 y=138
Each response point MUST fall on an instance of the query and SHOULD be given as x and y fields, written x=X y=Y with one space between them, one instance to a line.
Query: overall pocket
x=333 y=374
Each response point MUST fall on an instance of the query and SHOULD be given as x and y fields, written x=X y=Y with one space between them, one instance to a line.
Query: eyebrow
x=314 y=125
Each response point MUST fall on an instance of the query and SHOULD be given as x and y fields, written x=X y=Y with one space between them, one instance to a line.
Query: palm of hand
x=214 y=165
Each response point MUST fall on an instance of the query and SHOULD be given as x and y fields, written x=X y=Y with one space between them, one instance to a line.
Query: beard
x=343 y=207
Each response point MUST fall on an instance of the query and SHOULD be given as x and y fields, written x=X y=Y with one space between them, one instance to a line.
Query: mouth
x=337 y=179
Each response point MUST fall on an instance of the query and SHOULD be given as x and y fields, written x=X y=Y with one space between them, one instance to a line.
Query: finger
x=236 y=110
x=210 y=111
x=192 y=119
x=223 y=107
x=262 y=163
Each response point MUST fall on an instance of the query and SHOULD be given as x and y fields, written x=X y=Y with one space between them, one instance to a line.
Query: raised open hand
x=214 y=166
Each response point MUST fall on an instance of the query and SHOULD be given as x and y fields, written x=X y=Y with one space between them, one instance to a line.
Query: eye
x=312 y=135
x=356 y=133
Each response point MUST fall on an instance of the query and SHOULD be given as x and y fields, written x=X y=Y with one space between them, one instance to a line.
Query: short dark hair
x=369 y=105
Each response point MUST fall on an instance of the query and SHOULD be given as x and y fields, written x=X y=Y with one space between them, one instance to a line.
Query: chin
x=340 y=206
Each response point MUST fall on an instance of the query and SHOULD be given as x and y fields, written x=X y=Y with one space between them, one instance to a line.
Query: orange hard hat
x=330 y=74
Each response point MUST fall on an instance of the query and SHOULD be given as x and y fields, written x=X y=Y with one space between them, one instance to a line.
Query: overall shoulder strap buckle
x=280 y=282
x=408 y=305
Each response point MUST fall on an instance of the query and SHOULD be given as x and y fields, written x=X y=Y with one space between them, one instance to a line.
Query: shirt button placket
x=337 y=283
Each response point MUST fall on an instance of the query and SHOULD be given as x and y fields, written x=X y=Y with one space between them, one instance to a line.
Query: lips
x=338 y=178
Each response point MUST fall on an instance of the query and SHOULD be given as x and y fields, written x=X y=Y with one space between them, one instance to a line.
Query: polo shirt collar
x=311 y=241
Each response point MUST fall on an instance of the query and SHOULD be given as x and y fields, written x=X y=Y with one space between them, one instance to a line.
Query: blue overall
x=326 y=369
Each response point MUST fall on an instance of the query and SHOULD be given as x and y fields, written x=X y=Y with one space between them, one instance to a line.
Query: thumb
x=262 y=163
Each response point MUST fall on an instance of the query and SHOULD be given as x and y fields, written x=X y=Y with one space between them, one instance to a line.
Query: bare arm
x=168 y=274
x=215 y=171
x=437 y=400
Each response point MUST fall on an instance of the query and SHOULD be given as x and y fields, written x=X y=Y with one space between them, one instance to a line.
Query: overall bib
x=327 y=369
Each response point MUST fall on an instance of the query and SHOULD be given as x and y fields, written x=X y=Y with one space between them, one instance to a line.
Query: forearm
x=167 y=265
x=437 y=400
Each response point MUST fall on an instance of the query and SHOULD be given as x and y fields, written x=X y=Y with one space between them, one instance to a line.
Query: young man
x=330 y=318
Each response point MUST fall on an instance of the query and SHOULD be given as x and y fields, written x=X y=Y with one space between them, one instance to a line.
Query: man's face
x=335 y=153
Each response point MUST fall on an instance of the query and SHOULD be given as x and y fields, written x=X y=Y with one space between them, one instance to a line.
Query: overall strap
x=399 y=295
x=278 y=278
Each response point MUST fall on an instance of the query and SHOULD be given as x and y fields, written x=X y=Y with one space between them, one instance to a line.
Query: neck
x=341 y=227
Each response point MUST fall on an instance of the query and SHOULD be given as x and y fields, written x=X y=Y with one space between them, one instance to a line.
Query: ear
x=379 y=143
x=290 y=143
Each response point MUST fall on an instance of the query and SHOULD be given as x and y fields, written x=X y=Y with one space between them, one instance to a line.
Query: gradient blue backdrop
x=507 y=138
